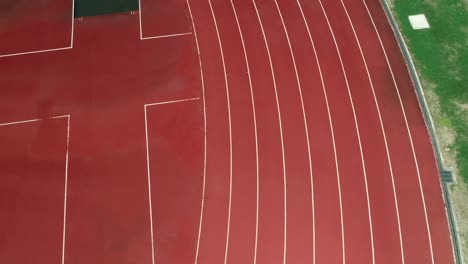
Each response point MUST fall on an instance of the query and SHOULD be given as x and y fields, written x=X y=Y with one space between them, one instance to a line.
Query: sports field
x=214 y=131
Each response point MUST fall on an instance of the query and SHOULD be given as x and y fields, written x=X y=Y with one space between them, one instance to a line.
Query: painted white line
x=168 y=36
x=32 y=120
x=255 y=129
x=407 y=128
x=306 y=127
x=66 y=187
x=20 y=122
x=280 y=126
x=172 y=102
x=33 y=52
x=155 y=37
x=205 y=139
x=382 y=126
x=73 y=25
x=139 y=19
x=357 y=130
x=331 y=126
x=148 y=164
x=66 y=170
x=149 y=186
x=49 y=50
x=57 y=117
x=230 y=131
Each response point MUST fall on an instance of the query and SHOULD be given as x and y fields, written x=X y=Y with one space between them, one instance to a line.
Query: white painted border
x=280 y=123
x=382 y=127
x=254 y=115
x=306 y=126
x=356 y=123
x=330 y=120
x=155 y=37
x=66 y=170
x=49 y=50
x=148 y=164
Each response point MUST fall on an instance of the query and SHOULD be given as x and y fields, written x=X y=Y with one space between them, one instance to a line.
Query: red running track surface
x=215 y=131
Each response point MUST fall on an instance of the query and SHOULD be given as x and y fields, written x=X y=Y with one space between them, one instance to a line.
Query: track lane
x=299 y=235
x=375 y=144
x=327 y=195
x=355 y=202
x=382 y=49
x=241 y=244
x=216 y=200
x=271 y=179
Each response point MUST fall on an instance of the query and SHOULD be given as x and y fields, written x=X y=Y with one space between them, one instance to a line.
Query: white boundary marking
x=330 y=121
x=66 y=170
x=299 y=85
x=66 y=188
x=167 y=36
x=407 y=128
x=204 y=119
x=357 y=131
x=383 y=130
x=230 y=131
x=280 y=126
x=148 y=165
x=155 y=37
x=48 y=50
x=255 y=128
x=174 y=101
x=205 y=138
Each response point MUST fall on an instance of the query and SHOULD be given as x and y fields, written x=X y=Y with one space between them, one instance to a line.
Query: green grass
x=441 y=57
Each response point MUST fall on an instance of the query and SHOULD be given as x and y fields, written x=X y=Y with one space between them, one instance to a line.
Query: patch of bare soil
x=459 y=190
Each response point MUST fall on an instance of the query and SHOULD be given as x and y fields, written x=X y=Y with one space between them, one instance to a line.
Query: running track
x=214 y=131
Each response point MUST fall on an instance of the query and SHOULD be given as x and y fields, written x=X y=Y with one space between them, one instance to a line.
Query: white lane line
x=293 y=56
x=230 y=131
x=357 y=130
x=20 y=122
x=66 y=187
x=205 y=139
x=73 y=25
x=280 y=126
x=49 y=50
x=168 y=36
x=174 y=101
x=149 y=186
x=139 y=19
x=148 y=163
x=33 y=52
x=66 y=170
x=33 y=120
x=155 y=37
x=407 y=129
x=330 y=122
x=381 y=125
x=255 y=127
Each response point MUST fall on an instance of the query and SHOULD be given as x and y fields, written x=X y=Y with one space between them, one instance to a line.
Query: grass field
x=441 y=57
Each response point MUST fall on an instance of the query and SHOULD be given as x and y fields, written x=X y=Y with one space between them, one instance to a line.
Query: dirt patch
x=459 y=190
x=459 y=196
x=463 y=106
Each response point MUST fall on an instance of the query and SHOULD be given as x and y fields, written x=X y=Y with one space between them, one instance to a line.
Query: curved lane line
x=293 y=56
x=255 y=126
x=357 y=130
x=205 y=139
x=280 y=124
x=330 y=120
x=382 y=126
x=407 y=128
x=230 y=131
